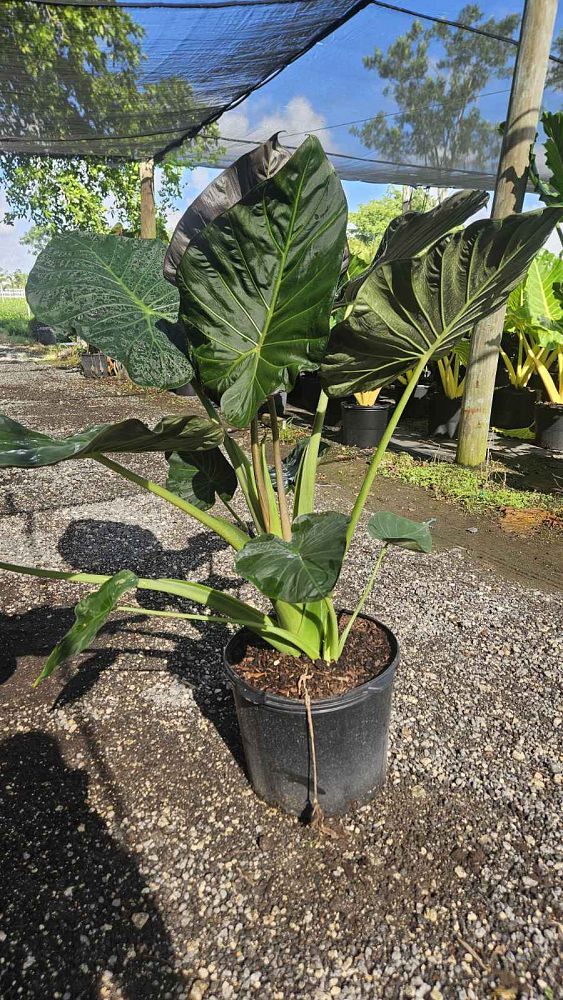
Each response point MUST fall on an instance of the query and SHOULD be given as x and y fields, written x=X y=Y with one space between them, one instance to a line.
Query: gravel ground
x=136 y=860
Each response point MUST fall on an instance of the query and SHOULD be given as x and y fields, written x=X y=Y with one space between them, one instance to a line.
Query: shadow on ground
x=76 y=903
x=156 y=645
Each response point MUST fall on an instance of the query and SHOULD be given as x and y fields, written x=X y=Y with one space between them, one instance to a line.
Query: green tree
x=435 y=75
x=73 y=67
x=367 y=225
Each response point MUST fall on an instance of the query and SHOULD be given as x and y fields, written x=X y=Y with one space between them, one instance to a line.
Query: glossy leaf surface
x=91 y=614
x=257 y=283
x=305 y=569
x=413 y=308
x=396 y=530
x=24 y=448
x=201 y=476
x=110 y=291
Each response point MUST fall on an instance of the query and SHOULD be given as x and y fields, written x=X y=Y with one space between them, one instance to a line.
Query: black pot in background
x=513 y=407
x=443 y=414
x=281 y=400
x=185 y=390
x=417 y=405
x=309 y=392
x=364 y=426
x=351 y=735
x=549 y=426
x=94 y=365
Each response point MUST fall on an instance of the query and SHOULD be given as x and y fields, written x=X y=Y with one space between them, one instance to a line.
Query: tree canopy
x=75 y=64
x=369 y=222
x=435 y=75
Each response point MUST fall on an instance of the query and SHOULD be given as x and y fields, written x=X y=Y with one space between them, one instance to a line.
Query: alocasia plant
x=257 y=262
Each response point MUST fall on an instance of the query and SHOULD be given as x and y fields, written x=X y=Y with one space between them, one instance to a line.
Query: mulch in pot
x=366 y=654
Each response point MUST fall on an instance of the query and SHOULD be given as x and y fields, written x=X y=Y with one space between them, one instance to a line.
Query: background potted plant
x=445 y=401
x=364 y=421
x=257 y=261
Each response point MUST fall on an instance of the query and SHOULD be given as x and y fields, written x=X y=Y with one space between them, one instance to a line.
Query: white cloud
x=297 y=119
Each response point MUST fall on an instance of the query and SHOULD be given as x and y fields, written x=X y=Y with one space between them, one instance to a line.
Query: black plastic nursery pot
x=549 y=426
x=185 y=390
x=364 y=426
x=308 y=396
x=350 y=731
x=513 y=407
x=443 y=414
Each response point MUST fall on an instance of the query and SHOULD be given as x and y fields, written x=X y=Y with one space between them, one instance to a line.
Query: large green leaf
x=411 y=233
x=201 y=476
x=24 y=448
x=110 y=291
x=544 y=305
x=257 y=283
x=550 y=191
x=410 y=309
x=395 y=530
x=91 y=614
x=305 y=569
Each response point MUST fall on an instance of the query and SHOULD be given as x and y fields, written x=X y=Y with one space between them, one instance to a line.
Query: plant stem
x=235 y=611
x=366 y=592
x=305 y=483
x=234 y=514
x=237 y=458
x=282 y=498
x=137 y=610
x=229 y=532
x=382 y=447
x=330 y=650
x=258 y=472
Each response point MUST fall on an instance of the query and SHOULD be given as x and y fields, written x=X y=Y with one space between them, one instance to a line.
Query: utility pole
x=520 y=129
x=148 y=210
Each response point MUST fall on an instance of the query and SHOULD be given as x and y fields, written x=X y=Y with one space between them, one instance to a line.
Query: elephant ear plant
x=255 y=268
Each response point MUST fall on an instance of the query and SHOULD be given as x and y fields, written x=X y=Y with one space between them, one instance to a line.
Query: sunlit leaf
x=257 y=283
x=24 y=448
x=395 y=530
x=305 y=569
x=409 y=309
x=110 y=291
x=91 y=614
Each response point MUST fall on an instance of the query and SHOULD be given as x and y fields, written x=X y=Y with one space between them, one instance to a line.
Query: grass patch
x=14 y=321
x=475 y=489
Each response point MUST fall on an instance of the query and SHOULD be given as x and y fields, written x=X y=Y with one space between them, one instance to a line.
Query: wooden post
x=148 y=210
x=520 y=129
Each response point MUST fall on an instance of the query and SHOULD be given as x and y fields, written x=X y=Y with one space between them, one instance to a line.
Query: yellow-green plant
x=535 y=316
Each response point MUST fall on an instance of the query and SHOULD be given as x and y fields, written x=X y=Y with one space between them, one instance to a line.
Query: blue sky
x=322 y=92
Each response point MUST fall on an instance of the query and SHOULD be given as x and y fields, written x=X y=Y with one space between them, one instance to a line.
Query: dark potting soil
x=366 y=654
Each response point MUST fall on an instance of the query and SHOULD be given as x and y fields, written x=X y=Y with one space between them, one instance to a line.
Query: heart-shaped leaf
x=257 y=283
x=410 y=309
x=110 y=291
x=91 y=614
x=201 y=476
x=305 y=569
x=395 y=530
x=24 y=448
x=540 y=289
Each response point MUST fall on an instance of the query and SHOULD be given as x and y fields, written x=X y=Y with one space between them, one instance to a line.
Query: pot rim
x=283 y=703
x=547 y=403
x=384 y=405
